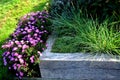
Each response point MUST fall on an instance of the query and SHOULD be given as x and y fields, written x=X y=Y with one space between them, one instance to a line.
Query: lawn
x=10 y=13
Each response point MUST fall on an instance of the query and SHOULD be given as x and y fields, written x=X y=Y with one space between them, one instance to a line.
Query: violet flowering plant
x=25 y=45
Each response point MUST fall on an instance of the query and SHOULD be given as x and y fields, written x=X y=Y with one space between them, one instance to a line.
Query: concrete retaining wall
x=77 y=66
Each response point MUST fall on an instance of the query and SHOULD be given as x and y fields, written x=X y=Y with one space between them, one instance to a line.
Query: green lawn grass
x=10 y=13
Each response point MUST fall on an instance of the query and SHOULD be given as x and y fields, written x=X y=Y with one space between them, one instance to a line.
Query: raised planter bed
x=78 y=66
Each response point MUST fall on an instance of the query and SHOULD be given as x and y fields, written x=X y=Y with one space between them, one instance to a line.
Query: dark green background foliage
x=95 y=8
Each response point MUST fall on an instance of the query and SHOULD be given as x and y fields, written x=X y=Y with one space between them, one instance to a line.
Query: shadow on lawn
x=39 y=7
x=5 y=1
x=1 y=50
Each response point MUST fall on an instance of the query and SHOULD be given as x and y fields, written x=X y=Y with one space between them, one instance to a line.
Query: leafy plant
x=25 y=45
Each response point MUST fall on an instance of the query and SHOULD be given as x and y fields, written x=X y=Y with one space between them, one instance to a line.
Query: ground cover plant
x=83 y=34
x=10 y=13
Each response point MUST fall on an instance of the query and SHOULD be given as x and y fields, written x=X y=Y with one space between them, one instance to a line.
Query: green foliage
x=65 y=44
x=86 y=35
x=101 y=9
x=99 y=40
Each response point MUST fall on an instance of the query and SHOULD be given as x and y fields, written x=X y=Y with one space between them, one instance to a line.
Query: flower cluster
x=25 y=45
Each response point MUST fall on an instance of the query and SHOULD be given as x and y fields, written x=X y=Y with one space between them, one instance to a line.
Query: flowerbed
x=25 y=45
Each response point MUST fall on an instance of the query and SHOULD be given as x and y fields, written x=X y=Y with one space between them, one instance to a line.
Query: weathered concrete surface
x=77 y=66
x=41 y=79
x=77 y=70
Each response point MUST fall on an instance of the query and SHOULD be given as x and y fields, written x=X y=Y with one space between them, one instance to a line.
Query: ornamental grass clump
x=81 y=34
x=25 y=45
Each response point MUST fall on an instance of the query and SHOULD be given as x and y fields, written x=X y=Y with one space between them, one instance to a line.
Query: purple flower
x=14 y=35
x=40 y=32
x=29 y=36
x=32 y=18
x=32 y=59
x=11 y=42
x=40 y=16
x=29 y=30
x=19 y=56
x=9 y=67
x=35 y=34
x=3 y=46
x=23 y=50
x=21 y=60
x=29 y=22
x=5 y=62
x=4 y=54
x=21 y=29
x=18 y=65
x=39 y=53
x=41 y=41
x=46 y=45
x=19 y=46
x=14 y=66
x=30 y=39
x=43 y=21
x=21 y=74
x=45 y=31
x=43 y=49
x=24 y=32
x=26 y=28
x=37 y=30
x=16 y=54
x=12 y=59
x=16 y=74
x=33 y=22
x=33 y=43
x=7 y=53
x=42 y=26
x=14 y=49
x=22 y=42
x=25 y=46
x=16 y=59
x=32 y=27
x=38 y=39
x=9 y=57
x=17 y=42
x=20 y=77
x=6 y=46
